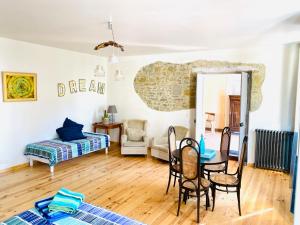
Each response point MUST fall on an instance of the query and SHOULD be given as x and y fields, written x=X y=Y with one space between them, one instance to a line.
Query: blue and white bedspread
x=86 y=214
x=57 y=151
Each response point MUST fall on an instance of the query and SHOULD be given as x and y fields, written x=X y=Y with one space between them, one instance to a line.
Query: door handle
x=241 y=124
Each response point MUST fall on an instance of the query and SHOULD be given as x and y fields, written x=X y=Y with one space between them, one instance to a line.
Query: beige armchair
x=160 y=148
x=134 y=141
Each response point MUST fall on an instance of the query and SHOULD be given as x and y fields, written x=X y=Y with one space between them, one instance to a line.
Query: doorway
x=227 y=103
x=221 y=105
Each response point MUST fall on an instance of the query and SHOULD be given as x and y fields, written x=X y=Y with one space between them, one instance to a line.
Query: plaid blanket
x=86 y=214
x=57 y=151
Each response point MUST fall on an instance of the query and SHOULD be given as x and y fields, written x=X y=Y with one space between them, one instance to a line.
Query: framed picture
x=19 y=86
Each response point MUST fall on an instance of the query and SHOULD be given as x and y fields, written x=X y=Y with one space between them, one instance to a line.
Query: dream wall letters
x=81 y=86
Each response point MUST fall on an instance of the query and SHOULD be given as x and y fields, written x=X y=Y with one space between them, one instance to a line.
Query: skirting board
x=14 y=168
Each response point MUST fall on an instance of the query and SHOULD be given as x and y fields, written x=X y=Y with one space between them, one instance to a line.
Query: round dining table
x=220 y=157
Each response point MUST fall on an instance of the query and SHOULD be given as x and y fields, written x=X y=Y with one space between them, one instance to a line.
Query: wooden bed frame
x=35 y=158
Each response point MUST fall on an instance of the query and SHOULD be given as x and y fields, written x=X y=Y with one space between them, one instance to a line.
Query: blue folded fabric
x=66 y=201
x=42 y=207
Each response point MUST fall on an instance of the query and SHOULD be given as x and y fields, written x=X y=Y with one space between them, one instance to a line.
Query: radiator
x=273 y=149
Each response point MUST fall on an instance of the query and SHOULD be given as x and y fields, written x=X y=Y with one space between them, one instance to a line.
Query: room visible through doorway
x=221 y=105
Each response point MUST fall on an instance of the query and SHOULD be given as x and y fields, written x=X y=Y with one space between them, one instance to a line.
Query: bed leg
x=52 y=169
x=30 y=162
x=106 y=150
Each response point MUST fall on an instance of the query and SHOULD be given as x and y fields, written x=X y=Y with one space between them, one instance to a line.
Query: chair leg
x=179 y=200
x=175 y=179
x=213 y=191
x=169 y=182
x=239 y=200
x=207 y=199
x=208 y=175
x=198 y=205
x=226 y=169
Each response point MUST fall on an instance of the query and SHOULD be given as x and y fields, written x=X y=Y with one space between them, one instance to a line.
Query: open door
x=200 y=123
x=245 y=106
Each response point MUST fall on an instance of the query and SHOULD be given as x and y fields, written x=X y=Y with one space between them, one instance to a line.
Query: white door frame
x=201 y=73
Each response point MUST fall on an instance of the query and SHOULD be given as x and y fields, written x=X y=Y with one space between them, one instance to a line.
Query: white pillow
x=135 y=134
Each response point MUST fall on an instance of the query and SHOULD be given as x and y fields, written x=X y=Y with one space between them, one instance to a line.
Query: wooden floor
x=135 y=187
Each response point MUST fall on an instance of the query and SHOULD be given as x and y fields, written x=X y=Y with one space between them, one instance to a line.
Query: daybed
x=56 y=150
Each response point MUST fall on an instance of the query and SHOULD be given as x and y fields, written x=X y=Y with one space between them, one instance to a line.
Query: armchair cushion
x=160 y=141
x=134 y=144
x=135 y=134
x=162 y=148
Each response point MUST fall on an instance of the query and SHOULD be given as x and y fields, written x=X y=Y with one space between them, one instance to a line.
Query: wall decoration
x=172 y=87
x=19 y=86
x=81 y=86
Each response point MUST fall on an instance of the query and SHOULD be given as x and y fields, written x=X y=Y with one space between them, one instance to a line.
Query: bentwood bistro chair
x=219 y=181
x=191 y=181
x=224 y=147
x=174 y=167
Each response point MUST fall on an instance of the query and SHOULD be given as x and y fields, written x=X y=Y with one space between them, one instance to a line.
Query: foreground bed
x=56 y=151
x=87 y=214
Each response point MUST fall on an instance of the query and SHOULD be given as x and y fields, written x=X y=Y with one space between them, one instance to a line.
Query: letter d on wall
x=61 y=89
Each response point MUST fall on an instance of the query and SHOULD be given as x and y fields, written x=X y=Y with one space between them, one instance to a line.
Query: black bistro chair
x=174 y=167
x=230 y=180
x=224 y=147
x=191 y=183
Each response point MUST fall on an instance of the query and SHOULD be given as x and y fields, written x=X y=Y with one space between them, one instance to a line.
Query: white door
x=245 y=105
x=200 y=120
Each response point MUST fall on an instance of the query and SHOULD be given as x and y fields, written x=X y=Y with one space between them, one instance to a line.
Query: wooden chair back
x=171 y=143
x=242 y=158
x=189 y=158
x=225 y=140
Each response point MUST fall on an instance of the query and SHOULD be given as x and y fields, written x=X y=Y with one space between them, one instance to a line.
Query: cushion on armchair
x=135 y=134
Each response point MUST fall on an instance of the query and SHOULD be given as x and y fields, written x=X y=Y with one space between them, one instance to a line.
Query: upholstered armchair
x=160 y=148
x=134 y=140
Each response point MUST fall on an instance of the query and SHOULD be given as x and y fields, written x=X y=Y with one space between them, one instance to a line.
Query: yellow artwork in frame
x=19 y=86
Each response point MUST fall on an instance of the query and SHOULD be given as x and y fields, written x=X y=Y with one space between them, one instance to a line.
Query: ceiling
x=150 y=26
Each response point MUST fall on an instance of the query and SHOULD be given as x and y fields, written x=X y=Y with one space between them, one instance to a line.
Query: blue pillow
x=71 y=123
x=70 y=133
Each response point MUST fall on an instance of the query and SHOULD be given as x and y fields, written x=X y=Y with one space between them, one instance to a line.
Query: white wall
x=26 y=122
x=278 y=91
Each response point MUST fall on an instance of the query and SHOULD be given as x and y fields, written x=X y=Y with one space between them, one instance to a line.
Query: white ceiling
x=150 y=26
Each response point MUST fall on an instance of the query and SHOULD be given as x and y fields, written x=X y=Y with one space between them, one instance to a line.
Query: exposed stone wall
x=172 y=87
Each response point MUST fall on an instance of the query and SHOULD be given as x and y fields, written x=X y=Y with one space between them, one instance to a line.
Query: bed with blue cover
x=86 y=214
x=56 y=151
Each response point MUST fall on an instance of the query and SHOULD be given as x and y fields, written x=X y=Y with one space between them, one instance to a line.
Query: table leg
x=95 y=129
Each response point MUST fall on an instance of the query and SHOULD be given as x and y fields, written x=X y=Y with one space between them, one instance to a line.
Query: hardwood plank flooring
x=135 y=187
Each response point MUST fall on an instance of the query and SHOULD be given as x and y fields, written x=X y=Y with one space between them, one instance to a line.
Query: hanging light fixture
x=99 y=71
x=113 y=58
x=118 y=75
